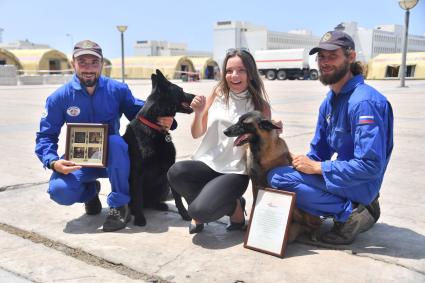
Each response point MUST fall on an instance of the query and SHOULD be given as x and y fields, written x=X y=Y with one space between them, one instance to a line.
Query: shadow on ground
x=381 y=239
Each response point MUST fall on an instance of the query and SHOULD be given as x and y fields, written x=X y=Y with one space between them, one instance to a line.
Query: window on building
x=410 y=70
x=2 y=62
x=54 y=65
x=392 y=71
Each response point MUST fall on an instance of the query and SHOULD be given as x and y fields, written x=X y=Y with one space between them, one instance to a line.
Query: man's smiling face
x=88 y=69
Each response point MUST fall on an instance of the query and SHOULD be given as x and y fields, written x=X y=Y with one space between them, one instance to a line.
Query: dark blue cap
x=332 y=40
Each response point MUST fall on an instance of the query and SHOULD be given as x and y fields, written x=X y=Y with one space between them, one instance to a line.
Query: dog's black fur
x=266 y=149
x=151 y=150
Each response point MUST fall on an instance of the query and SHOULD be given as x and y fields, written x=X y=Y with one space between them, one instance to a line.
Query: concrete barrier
x=56 y=79
x=30 y=80
x=8 y=75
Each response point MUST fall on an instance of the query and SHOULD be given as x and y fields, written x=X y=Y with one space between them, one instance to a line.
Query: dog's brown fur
x=266 y=151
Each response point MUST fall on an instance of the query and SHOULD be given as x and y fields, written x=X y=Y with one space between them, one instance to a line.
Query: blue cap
x=332 y=40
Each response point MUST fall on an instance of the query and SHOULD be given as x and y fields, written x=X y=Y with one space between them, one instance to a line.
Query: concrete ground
x=41 y=241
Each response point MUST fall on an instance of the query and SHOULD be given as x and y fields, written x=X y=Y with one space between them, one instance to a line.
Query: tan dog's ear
x=268 y=125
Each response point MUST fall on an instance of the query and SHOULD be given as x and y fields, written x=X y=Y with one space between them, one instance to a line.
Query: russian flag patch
x=366 y=120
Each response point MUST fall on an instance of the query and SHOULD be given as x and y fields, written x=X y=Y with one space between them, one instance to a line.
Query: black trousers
x=210 y=195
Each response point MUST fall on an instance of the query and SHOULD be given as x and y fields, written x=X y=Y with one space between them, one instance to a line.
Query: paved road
x=43 y=242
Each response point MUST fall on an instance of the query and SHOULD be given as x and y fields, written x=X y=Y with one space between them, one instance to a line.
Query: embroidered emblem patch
x=44 y=114
x=328 y=118
x=366 y=120
x=327 y=36
x=73 y=111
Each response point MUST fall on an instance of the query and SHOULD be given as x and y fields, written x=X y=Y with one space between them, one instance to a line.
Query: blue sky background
x=187 y=21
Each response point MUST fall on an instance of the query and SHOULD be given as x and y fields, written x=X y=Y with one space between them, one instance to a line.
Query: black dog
x=266 y=149
x=151 y=150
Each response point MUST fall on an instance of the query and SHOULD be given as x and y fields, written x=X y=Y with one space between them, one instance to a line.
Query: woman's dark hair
x=255 y=83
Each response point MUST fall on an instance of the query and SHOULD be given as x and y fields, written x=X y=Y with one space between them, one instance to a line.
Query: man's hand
x=304 y=164
x=65 y=167
x=198 y=103
x=165 y=122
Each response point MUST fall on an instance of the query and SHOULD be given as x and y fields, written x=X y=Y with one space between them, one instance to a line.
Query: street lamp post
x=122 y=29
x=405 y=5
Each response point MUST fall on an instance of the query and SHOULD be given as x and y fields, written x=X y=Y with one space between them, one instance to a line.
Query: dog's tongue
x=241 y=140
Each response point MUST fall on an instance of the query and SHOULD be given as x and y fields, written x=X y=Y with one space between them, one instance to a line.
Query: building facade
x=165 y=48
x=237 y=34
x=369 y=42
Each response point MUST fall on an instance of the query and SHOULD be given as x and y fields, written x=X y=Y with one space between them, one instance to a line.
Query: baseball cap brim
x=86 y=52
x=324 y=46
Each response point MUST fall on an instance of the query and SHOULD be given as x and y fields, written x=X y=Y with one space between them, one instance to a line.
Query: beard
x=88 y=82
x=336 y=75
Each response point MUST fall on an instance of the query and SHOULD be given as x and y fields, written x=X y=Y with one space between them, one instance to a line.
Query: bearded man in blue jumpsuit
x=356 y=124
x=90 y=98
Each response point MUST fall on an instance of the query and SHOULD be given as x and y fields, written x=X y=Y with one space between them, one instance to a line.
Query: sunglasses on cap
x=234 y=50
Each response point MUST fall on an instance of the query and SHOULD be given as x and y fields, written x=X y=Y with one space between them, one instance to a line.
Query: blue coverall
x=357 y=125
x=72 y=104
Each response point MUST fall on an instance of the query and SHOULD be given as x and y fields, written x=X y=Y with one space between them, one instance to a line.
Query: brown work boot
x=374 y=208
x=344 y=233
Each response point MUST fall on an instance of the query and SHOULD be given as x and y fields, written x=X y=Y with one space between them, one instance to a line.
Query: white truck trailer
x=287 y=64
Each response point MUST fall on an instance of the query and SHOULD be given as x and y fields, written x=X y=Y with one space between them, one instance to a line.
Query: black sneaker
x=94 y=206
x=359 y=221
x=117 y=219
x=374 y=208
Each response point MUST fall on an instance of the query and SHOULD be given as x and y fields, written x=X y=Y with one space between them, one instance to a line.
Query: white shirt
x=216 y=149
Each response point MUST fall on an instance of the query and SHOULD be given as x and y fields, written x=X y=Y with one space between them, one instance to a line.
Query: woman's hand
x=198 y=104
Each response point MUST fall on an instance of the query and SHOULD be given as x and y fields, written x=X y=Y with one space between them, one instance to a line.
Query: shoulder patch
x=73 y=111
x=366 y=120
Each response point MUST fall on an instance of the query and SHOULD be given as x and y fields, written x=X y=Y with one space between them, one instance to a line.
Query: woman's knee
x=176 y=173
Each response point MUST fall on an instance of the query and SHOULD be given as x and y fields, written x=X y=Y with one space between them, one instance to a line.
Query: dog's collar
x=154 y=126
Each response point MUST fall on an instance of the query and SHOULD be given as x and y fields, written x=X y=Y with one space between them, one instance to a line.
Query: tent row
x=51 y=61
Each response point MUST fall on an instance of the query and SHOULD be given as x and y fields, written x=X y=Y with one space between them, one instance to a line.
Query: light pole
x=406 y=5
x=72 y=40
x=122 y=29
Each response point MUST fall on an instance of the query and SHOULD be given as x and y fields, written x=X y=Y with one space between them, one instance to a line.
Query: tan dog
x=267 y=151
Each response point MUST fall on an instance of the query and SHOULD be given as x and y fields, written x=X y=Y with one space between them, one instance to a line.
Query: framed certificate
x=87 y=144
x=269 y=222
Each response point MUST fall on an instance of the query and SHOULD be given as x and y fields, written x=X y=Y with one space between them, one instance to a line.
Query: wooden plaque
x=87 y=144
x=269 y=223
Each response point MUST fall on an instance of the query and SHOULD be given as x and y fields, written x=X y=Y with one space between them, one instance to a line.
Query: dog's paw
x=140 y=220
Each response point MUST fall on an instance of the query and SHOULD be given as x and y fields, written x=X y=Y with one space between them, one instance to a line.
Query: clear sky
x=185 y=21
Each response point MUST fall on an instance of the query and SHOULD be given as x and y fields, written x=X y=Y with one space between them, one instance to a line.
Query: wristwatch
x=52 y=164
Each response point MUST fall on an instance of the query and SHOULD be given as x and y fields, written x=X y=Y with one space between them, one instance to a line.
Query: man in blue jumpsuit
x=90 y=98
x=355 y=124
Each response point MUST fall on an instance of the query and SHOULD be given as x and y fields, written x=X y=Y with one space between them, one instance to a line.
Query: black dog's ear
x=159 y=74
x=154 y=81
x=268 y=125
